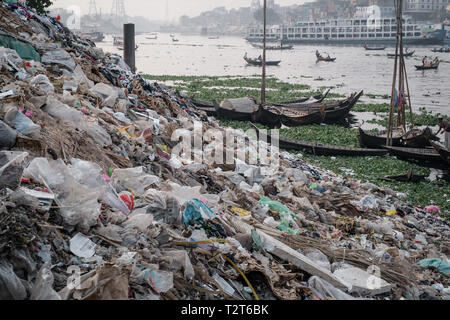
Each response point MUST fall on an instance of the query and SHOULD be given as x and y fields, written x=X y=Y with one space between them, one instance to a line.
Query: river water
x=355 y=68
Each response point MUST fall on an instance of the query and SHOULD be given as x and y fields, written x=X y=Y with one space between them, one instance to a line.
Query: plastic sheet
x=196 y=212
x=42 y=82
x=59 y=57
x=133 y=179
x=11 y=288
x=79 y=204
x=23 y=124
x=325 y=291
x=43 y=288
x=8 y=136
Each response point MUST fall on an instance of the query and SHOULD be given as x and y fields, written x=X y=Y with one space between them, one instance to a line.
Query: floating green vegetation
x=424 y=118
x=371 y=107
x=220 y=88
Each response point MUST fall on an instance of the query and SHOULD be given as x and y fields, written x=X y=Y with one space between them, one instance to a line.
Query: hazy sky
x=156 y=9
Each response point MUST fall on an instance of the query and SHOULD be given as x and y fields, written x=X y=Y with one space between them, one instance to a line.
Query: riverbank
x=371 y=169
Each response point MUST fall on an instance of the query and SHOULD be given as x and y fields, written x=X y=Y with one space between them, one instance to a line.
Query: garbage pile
x=94 y=204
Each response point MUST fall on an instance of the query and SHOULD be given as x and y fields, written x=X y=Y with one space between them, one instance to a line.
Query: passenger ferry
x=348 y=31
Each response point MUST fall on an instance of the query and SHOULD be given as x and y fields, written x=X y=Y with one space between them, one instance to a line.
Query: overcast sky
x=156 y=9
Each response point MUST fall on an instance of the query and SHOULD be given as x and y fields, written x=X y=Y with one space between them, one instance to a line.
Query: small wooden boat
x=213 y=37
x=327 y=59
x=175 y=40
x=441 y=50
x=209 y=107
x=408 y=177
x=434 y=65
x=373 y=48
x=315 y=99
x=333 y=111
x=406 y=54
x=379 y=139
x=422 y=155
x=319 y=149
x=442 y=150
x=280 y=47
x=257 y=62
x=417 y=138
x=275 y=116
x=241 y=109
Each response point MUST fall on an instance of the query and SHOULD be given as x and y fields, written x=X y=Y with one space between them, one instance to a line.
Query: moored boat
x=320 y=149
x=427 y=155
x=406 y=54
x=442 y=150
x=379 y=139
x=365 y=46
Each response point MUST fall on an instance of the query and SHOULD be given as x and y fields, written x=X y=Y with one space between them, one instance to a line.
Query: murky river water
x=354 y=69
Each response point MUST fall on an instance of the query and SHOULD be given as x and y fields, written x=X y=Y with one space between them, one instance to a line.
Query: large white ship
x=347 y=31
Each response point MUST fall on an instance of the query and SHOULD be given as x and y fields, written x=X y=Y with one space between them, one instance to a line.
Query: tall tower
x=256 y=4
x=118 y=12
x=92 y=8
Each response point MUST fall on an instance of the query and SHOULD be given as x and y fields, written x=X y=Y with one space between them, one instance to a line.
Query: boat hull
x=376 y=142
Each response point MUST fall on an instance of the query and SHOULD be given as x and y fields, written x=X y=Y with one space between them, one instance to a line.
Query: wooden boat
x=441 y=50
x=408 y=177
x=379 y=139
x=320 y=149
x=373 y=48
x=241 y=109
x=406 y=54
x=442 y=150
x=333 y=111
x=209 y=107
x=327 y=59
x=275 y=116
x=425 y=155
x=257 y=62
x=175 y=40
x=280 y=47
x=434 y=65
x=417 y=138
x=315 y=99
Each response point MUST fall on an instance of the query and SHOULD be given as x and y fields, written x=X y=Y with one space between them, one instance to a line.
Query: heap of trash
x=94 y=204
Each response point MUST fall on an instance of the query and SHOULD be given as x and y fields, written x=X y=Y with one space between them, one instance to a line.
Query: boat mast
x=263 y=84
x=399 y=66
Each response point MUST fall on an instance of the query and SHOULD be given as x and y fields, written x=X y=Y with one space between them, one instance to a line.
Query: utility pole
x=263 y=85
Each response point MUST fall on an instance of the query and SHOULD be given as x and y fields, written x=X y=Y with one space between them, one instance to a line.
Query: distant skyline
x=156 y=9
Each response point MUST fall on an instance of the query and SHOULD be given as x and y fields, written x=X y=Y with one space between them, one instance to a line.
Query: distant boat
x=321 y=58
x=373 y=48
x=152 y=36
x=175 y=40
x=258 y=62
x=118 y=41
x=121 y=48
x=433 y=65
x=172 y=35
x=280 y=47
x=406 y=54
x=94 y=36
x=441 y=50
x=213 y=37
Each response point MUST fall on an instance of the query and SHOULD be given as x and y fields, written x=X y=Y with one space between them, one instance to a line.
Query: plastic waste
x=98 y=134
x=433 y=209
x=63 y=112
x=43 y=288
x=70 y=86
x=79 y=204
x=23 y=124
x=439 y=264
x=8 y=136
x=168 y=212
x=324 y=290
x=42 y=82
x=11 y=168
x=160 y=281
x=196 y=212
x=223 y=285
x=59 y=57
x=134 y=180
x=287 y=222
x=318 y=257
x=128 y=198
x=11 y=288
x=180 y=259
x=82 y=246
x=368 y=202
